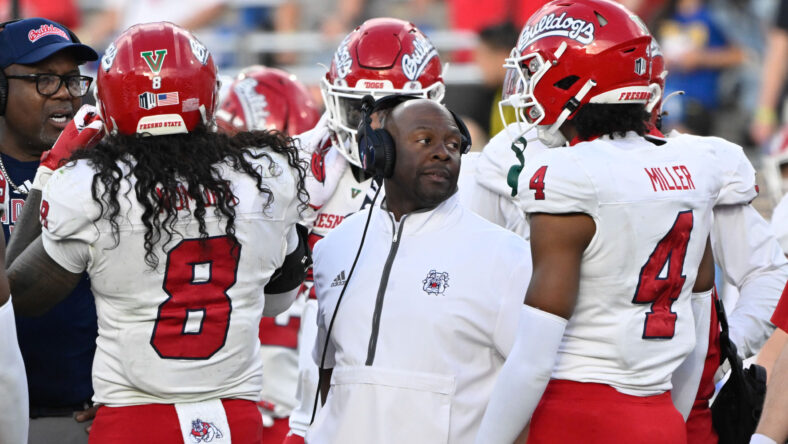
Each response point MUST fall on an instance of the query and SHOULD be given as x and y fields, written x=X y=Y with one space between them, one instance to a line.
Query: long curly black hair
x=164 y=164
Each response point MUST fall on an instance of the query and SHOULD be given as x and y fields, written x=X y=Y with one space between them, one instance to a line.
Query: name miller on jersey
x=679 y=175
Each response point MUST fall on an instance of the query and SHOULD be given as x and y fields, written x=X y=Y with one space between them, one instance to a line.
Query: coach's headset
x=4 y=80
x=377 y=151
x=376 y=147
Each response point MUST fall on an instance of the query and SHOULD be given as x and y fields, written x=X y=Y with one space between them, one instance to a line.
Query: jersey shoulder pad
x=68 y=210
x=555 y=182
x=273 y=167
x=734 y=170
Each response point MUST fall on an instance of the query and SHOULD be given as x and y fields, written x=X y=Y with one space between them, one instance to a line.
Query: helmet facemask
x=522 y=78
x=522 y=75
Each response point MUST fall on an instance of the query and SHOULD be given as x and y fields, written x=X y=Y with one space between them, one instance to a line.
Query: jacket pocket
x=372 y=404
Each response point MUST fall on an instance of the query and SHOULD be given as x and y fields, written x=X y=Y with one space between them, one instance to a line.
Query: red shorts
x=277 y=432
x=699 y=426
x=158 y=424
x=293 y=439
x=780 y=316
x=596 y=413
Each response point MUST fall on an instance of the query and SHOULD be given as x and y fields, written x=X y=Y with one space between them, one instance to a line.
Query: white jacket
x=427 y=319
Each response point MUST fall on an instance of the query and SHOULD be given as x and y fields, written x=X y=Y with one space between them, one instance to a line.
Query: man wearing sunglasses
x=41 y=88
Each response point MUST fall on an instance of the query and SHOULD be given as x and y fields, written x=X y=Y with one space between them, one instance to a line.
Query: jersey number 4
x=193 y=322
x=662 y=278
x=537 y=183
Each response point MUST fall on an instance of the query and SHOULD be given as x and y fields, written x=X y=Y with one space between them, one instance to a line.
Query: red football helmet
x=573 y=52
x=264 y=98
x=383 y=56
x=156 y=78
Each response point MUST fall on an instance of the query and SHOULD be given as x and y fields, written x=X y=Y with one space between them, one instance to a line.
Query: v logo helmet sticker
x=154 y=63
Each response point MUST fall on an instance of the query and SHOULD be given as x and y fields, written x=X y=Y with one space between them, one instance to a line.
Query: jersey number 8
x=193 y=322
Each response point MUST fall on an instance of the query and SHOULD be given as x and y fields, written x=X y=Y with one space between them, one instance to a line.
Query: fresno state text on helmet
x=167 y=124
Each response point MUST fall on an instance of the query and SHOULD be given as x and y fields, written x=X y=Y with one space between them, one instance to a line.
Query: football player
x=618 y=226
x=381 y=57
x=752 y=261
x=263 y=98
x=180 y=229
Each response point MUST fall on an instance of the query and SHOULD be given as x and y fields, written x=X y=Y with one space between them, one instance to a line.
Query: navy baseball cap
x=30 y=41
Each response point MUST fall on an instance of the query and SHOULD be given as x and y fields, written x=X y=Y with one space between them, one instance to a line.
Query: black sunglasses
x=49 y=84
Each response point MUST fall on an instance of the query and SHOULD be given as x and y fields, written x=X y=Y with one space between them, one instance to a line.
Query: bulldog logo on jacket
x=436 y=282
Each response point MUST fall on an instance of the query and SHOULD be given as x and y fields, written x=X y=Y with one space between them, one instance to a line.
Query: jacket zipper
x=384 y=280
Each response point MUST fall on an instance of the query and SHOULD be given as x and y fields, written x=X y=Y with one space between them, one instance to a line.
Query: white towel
x=203 y=422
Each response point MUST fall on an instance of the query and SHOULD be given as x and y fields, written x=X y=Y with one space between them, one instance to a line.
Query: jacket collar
x=421 y=221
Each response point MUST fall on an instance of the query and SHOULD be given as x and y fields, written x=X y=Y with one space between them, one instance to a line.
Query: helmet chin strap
x=210 y=124
x=114 y=130
x=656 y=95
x=550 y=139
x=553 y=133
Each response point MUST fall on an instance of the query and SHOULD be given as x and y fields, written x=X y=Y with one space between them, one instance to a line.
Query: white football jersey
x=334 y=191
x=487 y=179
x=188 y=330
x=633 y=324
x=349 y=197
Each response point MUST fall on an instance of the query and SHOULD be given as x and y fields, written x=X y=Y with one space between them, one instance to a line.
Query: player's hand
x=87 y=415
x=84 y=131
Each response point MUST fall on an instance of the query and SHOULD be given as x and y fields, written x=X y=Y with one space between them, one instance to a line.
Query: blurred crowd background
x=728 y=56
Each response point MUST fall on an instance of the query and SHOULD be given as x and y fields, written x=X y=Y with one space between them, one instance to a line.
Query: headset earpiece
x=3 y=92
x=376 y=147
x=465 y=143
x=3 y=79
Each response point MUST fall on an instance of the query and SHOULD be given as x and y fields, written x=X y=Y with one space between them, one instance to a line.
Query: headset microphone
x=367 y=103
